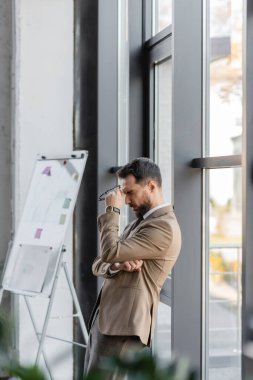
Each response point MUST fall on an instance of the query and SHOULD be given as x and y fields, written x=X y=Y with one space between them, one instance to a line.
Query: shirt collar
x=149 y=212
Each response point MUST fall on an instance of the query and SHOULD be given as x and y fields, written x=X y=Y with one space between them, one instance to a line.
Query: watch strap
x=109 y=209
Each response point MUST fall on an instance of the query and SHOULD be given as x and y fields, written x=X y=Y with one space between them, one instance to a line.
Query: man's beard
x=142 y=209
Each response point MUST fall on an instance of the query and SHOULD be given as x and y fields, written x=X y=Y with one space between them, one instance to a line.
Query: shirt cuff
x=112 y=272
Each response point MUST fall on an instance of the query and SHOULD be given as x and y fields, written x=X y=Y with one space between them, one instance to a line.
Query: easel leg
x=76 y=302
x=49 y=308
x=36 y=333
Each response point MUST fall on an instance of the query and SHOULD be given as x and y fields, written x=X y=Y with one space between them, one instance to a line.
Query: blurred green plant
x=4 y=340
x=26 y=373
x=138 y=365
x=144 y=366
x=8 y=366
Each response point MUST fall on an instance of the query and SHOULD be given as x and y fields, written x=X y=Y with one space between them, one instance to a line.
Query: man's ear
x=152 y=185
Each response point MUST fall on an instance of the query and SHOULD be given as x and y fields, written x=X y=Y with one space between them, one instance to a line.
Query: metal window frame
x=193 y=347
x=157 y=49
x=189 y=74
x=219 y=162
x=204 y=164
x=187 y=343
x=215 y=49
x=187 y=290
x=247 y=197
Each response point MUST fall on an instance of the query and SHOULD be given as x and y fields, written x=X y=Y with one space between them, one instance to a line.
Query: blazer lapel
x=161 y=211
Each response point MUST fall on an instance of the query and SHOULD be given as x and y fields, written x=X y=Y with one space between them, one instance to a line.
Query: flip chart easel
x=37 y=255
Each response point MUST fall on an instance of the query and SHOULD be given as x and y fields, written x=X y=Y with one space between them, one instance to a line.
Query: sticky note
x=70 y=168
x=38 y=233
x=75 y=176
x=47 y=171
x=66 y=203
x=62 y=219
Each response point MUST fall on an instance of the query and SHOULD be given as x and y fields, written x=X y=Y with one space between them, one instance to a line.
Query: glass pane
x=162 y=152
x=163 y=110
x=162 y=341
x=225 y=77
x=225 y=265
x=162 y=15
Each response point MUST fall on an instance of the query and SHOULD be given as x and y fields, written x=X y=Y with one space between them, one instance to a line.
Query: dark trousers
x=104 y=346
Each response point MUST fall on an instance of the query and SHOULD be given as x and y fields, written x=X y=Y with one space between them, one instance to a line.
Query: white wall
x=5 y=126
x=43 y=69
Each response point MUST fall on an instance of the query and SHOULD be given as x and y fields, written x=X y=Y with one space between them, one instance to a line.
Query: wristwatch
x=112 y=209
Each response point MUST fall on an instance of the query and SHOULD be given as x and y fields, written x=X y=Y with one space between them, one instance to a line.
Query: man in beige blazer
x=135 y=264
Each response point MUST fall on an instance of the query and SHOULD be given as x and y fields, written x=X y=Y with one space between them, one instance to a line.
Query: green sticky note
x=75 y=177
x=66 y=203
x=62 y=219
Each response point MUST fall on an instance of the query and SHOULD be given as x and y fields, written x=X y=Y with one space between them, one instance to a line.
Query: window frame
x=157 y=49
x=247 y=193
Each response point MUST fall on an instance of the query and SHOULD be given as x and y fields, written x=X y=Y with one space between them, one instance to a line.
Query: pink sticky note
x=38 y=233
x=47 y=171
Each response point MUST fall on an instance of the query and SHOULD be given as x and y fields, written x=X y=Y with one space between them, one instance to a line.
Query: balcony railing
x=227 y=298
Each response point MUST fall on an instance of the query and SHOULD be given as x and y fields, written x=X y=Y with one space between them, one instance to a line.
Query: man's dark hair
x=142 y=169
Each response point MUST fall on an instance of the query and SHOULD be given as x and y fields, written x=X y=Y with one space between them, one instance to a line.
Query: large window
x=162 y=144
x=225 y=77
x=225 y=262
x=189 y=114
x=210 y=173
x=161 y=15
x=163 y=124
x=159 y=77
x=223 y=186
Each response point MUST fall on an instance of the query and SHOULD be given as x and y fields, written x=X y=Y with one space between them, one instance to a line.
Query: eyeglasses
x=103 y=195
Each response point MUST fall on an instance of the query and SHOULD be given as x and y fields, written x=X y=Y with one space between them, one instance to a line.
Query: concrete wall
x=5 y=125
x=43 y=115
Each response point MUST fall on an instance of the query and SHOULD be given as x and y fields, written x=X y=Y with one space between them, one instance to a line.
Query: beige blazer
x=128 y=301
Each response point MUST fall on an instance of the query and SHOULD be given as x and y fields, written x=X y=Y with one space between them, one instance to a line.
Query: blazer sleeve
x=101 y=269
x=151 y=240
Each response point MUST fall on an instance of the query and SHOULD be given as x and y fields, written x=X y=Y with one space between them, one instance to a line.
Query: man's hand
x=115 y=198
x=128 y=266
